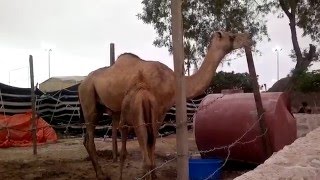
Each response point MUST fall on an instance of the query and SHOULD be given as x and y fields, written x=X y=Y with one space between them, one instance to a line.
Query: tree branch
x=311 y=53
x=294 y=39
x=292 y=25
x=285 y=8
x=293 y=6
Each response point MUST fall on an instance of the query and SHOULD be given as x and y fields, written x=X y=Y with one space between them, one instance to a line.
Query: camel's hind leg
x=151 y=154
x=142 y=135
x=132 y=113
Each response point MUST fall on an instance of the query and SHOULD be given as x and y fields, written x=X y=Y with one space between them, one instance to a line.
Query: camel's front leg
x=115 y=125
x=91 y=149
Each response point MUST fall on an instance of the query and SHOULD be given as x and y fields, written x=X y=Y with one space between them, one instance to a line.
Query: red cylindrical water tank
x=222 y=119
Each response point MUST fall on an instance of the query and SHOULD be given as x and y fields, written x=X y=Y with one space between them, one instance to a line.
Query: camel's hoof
x=104 y=178
x=101 y=176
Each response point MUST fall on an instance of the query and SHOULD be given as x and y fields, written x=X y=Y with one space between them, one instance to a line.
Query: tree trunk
x=302 y=62
x=301 y=66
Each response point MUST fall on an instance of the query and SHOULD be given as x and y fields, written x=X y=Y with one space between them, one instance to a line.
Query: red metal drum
x=223 y=119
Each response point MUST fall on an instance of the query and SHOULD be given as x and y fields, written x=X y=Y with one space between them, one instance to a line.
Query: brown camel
x=140 y=111
x=107 y=86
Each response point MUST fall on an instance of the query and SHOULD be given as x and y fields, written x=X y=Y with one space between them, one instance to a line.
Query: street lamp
x=49 y=60
x=48 y=47
x=277 y=50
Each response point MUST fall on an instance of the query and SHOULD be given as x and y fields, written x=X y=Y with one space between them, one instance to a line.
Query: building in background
x=59 y=82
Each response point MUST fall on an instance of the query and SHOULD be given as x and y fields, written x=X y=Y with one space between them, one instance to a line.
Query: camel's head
x=228 y=41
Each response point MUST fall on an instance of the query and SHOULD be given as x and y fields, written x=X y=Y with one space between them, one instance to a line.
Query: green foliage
x=230 y=80
x=305 y=53
x=201 y=18
x=309 y=82
x=308 y=18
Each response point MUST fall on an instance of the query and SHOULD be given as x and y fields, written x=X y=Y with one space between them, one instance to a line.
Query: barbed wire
x=2 y=104
x=218 y=169
x=228 y=147
x=214 y=149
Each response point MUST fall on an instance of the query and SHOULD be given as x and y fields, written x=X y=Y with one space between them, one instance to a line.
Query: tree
x=306 y=15
x=230 y=80
x=201 y=17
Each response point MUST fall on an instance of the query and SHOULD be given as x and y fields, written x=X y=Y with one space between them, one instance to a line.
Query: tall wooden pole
x=33 y=106
x=115 y=117
x=181 y=110
x=257 y=97
x=112 y=57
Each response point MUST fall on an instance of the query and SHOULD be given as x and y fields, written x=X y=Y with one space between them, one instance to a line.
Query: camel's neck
x=200 y=81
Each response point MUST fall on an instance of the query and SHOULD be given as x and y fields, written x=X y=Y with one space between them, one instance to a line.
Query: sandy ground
x=68 y=159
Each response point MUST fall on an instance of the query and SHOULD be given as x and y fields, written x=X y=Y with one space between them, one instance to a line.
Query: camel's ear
x=219 y=34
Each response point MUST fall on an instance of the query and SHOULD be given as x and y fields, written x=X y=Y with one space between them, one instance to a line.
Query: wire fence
x=198 y=109
x=227 y=148
x=61 y=109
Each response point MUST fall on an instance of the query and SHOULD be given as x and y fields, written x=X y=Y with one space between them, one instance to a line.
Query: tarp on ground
x=15 y=131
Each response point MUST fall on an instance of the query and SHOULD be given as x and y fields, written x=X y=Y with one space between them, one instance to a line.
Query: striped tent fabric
x=61 y=109
x=15 y=100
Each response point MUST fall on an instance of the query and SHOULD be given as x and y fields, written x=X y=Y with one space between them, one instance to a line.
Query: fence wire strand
x=228 y=147
x=162 y=124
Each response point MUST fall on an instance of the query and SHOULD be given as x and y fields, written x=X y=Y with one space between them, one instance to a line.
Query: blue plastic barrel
x=200 y=169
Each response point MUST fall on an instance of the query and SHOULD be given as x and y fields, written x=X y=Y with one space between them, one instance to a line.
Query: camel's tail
x=150 y=116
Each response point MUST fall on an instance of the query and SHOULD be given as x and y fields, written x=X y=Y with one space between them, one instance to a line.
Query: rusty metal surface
x=222 y=119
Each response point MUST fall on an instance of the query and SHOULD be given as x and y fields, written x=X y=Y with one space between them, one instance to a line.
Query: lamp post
x=49 y=60
x=277 y=50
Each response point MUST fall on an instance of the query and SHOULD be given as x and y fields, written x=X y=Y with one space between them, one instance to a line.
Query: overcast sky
x=79 y=33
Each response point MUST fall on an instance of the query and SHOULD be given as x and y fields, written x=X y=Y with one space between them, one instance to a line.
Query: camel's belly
x=112 y=93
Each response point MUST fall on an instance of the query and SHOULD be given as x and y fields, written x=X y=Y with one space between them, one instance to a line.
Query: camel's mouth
x=242 y=40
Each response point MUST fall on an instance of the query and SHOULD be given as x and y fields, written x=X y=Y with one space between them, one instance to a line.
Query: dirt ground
x=68 y=159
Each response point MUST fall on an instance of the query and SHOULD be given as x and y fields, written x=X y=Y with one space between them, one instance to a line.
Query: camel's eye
x=219 y=34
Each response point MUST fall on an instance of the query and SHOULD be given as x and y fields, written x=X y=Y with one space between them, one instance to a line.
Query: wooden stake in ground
x=181 y=111
x=33 y=106
x=113 y=116
x=257 y=98
x=112 y=56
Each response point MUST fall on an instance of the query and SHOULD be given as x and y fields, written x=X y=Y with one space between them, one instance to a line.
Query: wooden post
x=33 y=106
x=112 y=57
x=181 y=111
x=115 y=117
x=257 y=98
